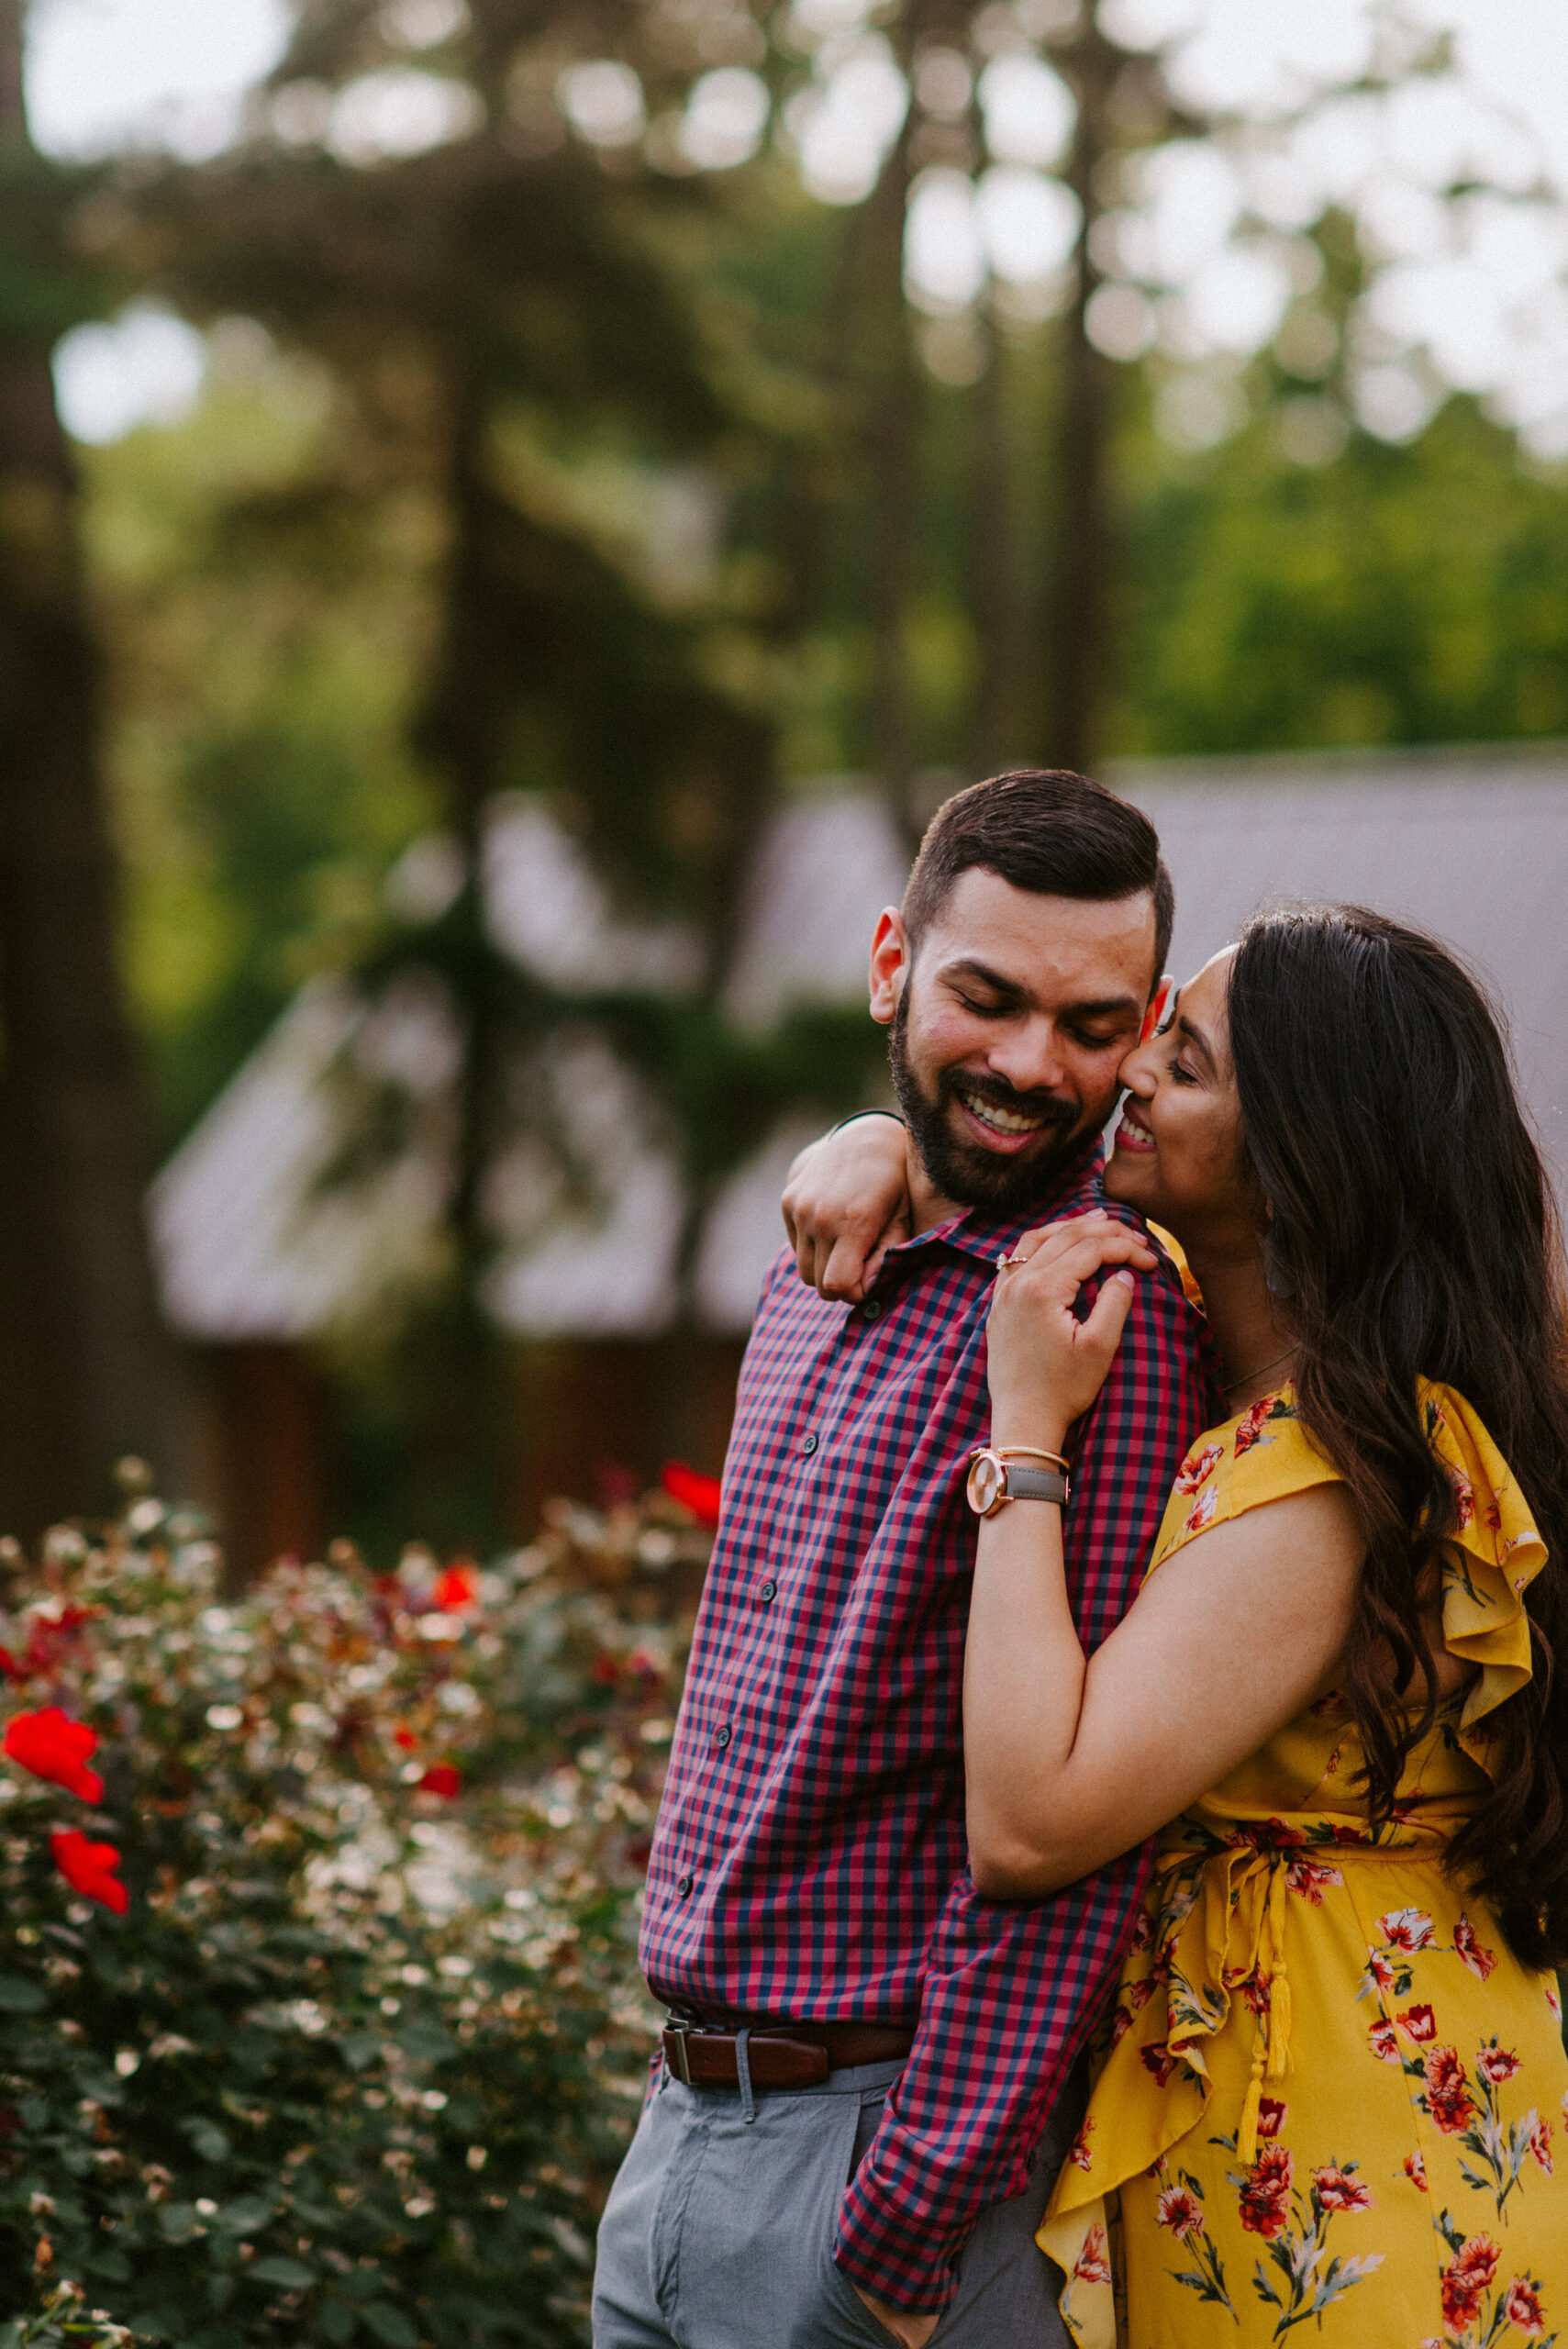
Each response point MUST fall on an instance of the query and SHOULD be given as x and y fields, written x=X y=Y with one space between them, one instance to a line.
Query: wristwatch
x=993 y=1479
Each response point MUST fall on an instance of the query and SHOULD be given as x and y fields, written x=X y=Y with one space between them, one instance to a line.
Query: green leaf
x=292 y=2274
x=338 y=2322
x=209 y=2139
x=20 y=1997
x=390 y=2326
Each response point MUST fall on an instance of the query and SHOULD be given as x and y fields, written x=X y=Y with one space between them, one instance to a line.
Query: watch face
x=985 y=1480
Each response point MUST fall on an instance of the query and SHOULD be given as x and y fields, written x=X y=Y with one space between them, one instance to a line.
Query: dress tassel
x=1279 y=2024
x=1247 y=2137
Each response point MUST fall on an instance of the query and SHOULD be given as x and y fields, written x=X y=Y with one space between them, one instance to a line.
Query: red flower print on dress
x=1465 y=1945
x=1159 y=2060
x=1265 y=2192
x=1463 y=1497
x=1256 y=1421
x=1198 y=1465
x=1204 y=1511
x=1271 y=2116
x=1378 y=1968
x=1406 y=1929
x=1384 y=2044
x=1080 y=2153
x=1179 y=2209
x=1419 y=2022
x=1121 y=2023
x=1144 y=1931
x=1449 y=2099
x=54 y=1747
x=1092 y=2267
x=1305 y=1877
x=1467 y=2280
x=89 y=1868
x=1540 y=2145
x=1415 y=2170
x=1336 y=2190
x=1496 y=2064
x=1523 y=2306
x=1554 y=2002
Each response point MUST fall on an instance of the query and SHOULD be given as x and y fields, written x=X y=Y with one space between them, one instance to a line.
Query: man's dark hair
x=1046 y=829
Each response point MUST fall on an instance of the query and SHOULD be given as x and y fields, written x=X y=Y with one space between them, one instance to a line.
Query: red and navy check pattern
x=809 y=1860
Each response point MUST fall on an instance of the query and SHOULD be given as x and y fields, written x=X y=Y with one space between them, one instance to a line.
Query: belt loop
x=743 y=2075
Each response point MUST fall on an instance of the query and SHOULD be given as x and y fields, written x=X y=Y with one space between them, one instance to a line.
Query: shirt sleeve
x=1009 y=1990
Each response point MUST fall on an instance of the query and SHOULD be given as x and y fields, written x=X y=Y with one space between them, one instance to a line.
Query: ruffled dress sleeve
x=1489 y=1563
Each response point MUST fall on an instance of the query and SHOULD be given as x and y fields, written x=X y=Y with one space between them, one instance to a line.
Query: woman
x=1330 y=2081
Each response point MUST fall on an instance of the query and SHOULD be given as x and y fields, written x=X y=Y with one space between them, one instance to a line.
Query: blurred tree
x=86 y=1369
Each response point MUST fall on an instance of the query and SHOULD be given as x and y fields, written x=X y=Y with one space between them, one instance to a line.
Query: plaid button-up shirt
x=809 y=1860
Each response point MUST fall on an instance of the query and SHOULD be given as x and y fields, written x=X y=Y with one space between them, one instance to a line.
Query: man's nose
x=1031 y=1060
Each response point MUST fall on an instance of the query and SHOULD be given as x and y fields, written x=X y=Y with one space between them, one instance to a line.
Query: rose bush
x=319 y=2017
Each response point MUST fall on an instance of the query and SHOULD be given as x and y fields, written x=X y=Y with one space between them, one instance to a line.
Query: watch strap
x=1037 y=1485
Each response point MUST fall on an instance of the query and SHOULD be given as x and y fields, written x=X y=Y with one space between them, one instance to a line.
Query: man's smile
x=1001 y=1129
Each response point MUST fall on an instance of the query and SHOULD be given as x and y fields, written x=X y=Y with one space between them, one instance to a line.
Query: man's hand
x=913 y=2330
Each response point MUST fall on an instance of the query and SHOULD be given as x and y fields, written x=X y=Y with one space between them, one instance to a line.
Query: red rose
x=457 y=1588
x=404 y=1738
x=1496 y=2065
x=89 y=1868
x=1265 y=2192
x=1466 y=2279
x=1523 y=2308
x=1179 y=2209
x=698 y=1493
x=53 y=1746
x=443 y=1778
x=1339 y=2189
x=1419 y=2021
x=1449 y=2099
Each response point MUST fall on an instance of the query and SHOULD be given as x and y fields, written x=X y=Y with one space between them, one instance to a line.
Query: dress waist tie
x=1270 y=2045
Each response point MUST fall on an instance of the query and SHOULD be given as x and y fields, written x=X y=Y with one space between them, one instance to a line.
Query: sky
x=1205 y=262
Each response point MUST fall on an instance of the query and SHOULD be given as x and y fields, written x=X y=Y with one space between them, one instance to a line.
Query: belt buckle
x=678 y=2029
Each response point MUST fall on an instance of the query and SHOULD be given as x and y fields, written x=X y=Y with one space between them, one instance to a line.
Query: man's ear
x=890 y=961
x=1159 y=1007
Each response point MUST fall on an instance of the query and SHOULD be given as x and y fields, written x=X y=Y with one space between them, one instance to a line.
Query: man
x=864 y=2097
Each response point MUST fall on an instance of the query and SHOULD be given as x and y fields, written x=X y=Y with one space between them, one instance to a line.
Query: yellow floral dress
x=1327 y=2093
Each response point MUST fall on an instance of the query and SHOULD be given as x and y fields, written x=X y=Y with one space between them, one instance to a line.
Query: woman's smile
x=1133 y=1135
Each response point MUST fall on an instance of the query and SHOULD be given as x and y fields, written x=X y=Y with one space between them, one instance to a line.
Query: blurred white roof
x=253 y=1243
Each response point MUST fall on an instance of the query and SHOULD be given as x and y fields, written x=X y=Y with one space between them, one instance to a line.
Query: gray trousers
x=719 y=2233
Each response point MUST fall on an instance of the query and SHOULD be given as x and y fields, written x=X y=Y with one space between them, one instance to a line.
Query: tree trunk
x=892 y=428
x=86 y=1370
x=996 y=729
x=1076 y=645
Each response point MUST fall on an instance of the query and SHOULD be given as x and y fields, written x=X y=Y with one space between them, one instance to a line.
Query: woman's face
x=1178 y=1156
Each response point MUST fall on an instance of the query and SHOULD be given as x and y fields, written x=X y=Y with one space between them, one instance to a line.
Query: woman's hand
x=846 y=1203
x=1046 y=1366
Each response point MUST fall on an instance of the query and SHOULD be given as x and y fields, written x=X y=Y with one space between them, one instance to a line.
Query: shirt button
x=722 y=1737
x=769 y=1589
x=683 y=1885
x=870 y=1310
x=808 y=1444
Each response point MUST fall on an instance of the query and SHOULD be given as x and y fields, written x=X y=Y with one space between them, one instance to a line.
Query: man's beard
x=998 y=1183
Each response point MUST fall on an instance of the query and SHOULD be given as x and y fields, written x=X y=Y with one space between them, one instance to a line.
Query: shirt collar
x=986 y=1237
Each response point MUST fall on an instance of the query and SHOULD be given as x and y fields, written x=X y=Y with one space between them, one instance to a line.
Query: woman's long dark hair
x=1413 y=1233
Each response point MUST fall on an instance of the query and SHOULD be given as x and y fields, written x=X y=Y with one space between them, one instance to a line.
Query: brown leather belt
x=780 y=2055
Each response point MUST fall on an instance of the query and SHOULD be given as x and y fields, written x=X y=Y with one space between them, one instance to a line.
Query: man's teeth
x=1002 y=1121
